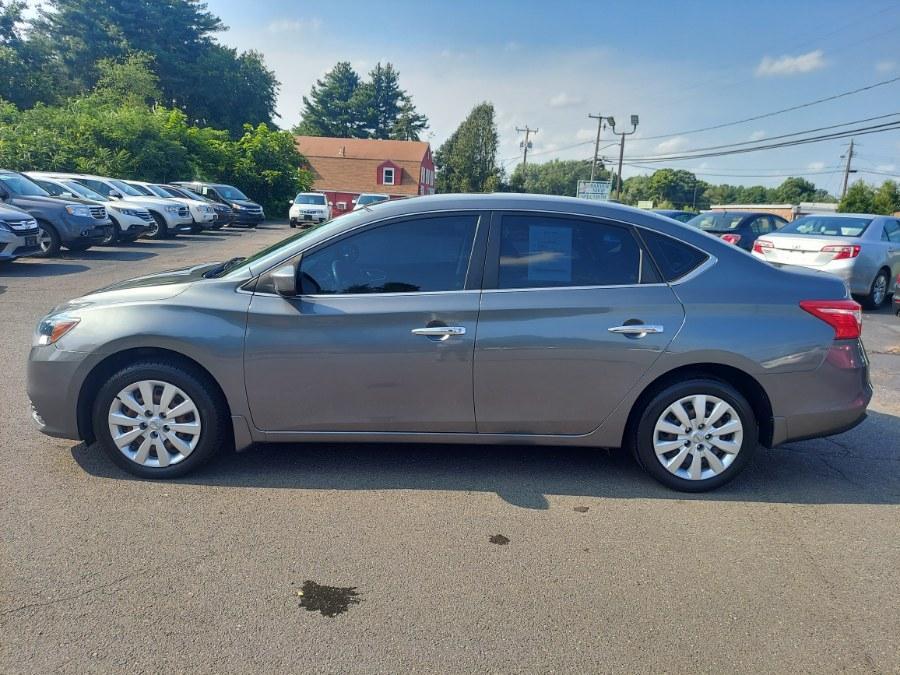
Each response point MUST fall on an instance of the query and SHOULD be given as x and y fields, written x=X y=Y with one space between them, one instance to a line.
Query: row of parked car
x=42 y=212
x=862 y=249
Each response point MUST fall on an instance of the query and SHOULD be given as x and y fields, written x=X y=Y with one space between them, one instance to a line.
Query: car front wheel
x=48 y=241
x=696 y=435
x=157 y=419
x=158 y=228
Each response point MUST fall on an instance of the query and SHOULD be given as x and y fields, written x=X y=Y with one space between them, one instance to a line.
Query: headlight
x=172 y=209
x=206 y=209
x=237 y=207
x=83 y=211
x=127 y=212
x=53 y=328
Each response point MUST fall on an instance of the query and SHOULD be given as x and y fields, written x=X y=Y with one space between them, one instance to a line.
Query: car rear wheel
x=158 y=228
x=878 y=291
x=696 y=435
x=157 y=419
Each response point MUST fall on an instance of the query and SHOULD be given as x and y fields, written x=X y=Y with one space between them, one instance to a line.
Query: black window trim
x=492 y=258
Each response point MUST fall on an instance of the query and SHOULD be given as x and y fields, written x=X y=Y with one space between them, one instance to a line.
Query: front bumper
x=247 y=217
x=54 y=380
x=16 y=245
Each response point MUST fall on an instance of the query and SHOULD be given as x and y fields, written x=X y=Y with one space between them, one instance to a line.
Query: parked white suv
x=202 y=213
x=169 y=218
x=308 y=208
x=131 y=221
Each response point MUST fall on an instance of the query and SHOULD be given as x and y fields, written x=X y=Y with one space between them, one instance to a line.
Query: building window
x=388 y=176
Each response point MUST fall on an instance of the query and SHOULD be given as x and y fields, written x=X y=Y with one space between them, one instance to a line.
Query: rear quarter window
x=674 y=259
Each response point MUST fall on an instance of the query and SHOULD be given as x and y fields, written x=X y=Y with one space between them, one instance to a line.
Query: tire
x=878 y=294
x=292 y=224
x=196 y=228
x=716 y=466
x=113 y=237
x=49 y=240
x=195 y=395
x=161 y=230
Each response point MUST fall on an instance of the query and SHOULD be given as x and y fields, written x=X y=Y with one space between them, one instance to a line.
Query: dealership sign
x=594 y=189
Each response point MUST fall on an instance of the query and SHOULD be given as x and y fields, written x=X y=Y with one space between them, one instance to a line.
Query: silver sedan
x=862 y=249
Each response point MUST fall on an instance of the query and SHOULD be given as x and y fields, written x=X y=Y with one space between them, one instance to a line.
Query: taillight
x=845 y=316
x=843 y=252
x=761 y=244
x=731 y=238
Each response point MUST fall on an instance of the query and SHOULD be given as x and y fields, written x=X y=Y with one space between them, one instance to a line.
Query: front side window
x=388 y=176
x=19 y=185
x=538 y=251
x=417 y=255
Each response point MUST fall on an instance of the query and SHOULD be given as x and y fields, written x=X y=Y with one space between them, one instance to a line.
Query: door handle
x=441 y=332
x=637 y=330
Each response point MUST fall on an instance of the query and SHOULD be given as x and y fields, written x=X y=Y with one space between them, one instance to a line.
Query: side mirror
x=115 y=195
x=355 y=200
x=291 y=202
x=285 y=280
x=67 y=195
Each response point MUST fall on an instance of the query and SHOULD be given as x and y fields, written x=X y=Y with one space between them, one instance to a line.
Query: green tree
x=887 y=199
x=26 y=73
x=860 y=198
x=556 y=177
x=207 y=81
x=410 y=123
x=129 y=80
x=467 y=161
x=332 y=107
x=795 y=190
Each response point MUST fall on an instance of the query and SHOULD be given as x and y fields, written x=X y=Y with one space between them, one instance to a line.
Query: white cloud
x=564 y=100
x=757 y=135
x=294 y=25
x=815 y=166
x=791 y=65
x=886 y=66
x=887 y=168
x=672 y=144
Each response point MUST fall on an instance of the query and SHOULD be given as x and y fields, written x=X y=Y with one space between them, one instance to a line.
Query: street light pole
x=622 y=135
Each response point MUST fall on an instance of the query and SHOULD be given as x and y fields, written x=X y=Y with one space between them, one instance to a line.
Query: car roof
x=843 y=215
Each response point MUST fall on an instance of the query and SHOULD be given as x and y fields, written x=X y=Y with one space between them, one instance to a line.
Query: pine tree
x=467 y=161
x=332 y=107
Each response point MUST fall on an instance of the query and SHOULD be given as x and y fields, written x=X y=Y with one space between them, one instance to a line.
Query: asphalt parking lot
x=794 y=567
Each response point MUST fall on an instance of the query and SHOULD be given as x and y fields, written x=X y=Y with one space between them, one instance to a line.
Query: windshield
x=717 y=222
x=229 y=192
x=163 y=191
x=828 y=226
x=190 y=194
x=370 y=199
x=310 y=199
x=159 y=192
x=19 y=185
x=124 y=188
x=142 y=189
x=77 y=188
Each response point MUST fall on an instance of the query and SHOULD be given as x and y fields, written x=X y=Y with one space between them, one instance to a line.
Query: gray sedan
x=486 y=319
x=862 y=249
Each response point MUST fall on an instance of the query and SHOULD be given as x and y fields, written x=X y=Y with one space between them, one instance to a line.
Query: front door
x=572 y=315
x=381 y=337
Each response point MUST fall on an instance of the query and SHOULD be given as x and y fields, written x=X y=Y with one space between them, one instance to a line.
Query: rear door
x=892 y=234
x=573 y=313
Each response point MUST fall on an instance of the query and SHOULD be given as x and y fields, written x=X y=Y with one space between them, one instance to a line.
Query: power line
x=861 y=131
x=712 y=172
x=800 y=106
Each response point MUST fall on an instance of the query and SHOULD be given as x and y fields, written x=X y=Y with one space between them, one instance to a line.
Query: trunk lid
x=803 y=250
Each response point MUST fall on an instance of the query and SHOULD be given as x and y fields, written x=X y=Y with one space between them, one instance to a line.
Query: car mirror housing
x=291 y=202
x=115 y=195
x=284 y=279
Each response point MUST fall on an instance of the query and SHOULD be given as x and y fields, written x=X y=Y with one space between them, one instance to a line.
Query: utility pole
x=599 y=119
x=525 y=145
x=847 y=170
x=622 y=135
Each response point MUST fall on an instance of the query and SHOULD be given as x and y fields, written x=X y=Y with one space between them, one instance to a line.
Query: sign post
x=594 y=189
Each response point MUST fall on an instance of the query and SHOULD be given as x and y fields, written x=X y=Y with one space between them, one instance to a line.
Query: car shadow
x=35 y=268
x=156 y=244
x=120 y=255
x=858 y=467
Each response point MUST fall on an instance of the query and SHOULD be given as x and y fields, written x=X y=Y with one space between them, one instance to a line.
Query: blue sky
x=547 y=64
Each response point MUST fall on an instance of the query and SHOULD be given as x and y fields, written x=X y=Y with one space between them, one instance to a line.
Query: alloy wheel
x=45 y=240
x=154 y=423
x=879 y=289
x=698 y=437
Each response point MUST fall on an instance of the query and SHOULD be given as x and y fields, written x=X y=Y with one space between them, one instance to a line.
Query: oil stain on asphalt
x=329 y=600
x=498 y=539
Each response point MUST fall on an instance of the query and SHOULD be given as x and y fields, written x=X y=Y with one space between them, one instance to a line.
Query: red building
x=344 y=168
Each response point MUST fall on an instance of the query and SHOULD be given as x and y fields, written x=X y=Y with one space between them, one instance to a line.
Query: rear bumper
x=827 y=401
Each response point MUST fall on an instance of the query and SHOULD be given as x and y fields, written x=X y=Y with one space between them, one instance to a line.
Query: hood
x=149 y=201
x=8 y=212
x=24 y=201
x=244 y=202
x=151 y=287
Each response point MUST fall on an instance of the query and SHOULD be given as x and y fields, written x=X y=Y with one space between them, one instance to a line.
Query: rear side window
x=538 y=251
x=892 y=230
x=673 y=258
x=416 y=255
